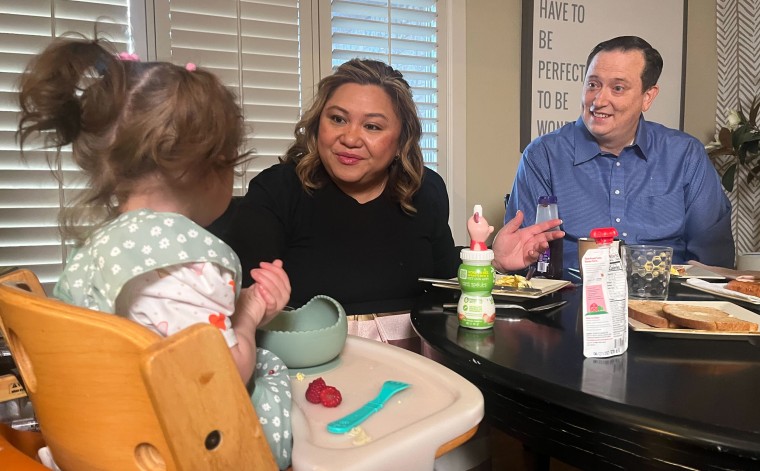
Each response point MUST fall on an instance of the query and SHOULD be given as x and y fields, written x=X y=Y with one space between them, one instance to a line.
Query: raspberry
x=314 y=390
x=330 y=396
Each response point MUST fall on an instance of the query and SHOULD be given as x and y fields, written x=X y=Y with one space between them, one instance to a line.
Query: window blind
x=402 y=34
x=254 y=47
x=264 y=50
x=29 y=194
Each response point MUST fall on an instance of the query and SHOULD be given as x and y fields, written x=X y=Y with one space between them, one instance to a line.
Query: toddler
x=158 y=144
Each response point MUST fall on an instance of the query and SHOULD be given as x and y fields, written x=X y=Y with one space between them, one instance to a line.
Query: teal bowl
x=309 y=336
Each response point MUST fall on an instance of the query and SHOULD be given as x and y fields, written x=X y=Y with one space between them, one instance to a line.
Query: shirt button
x=617 y=219
x=625 y=234
x=617 y=192
x=617 y=164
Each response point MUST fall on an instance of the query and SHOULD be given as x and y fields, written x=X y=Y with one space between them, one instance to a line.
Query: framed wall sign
x=557 y=37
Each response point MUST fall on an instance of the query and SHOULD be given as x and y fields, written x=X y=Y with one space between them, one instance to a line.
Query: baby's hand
x=271 y=287
x=252 y=305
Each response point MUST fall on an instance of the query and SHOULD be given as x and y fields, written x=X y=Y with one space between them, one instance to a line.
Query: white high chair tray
x=439 y=406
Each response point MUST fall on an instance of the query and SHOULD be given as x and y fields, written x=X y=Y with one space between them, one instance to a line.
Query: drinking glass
x=648 y=271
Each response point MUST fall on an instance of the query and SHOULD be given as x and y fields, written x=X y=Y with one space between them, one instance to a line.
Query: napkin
x=720 y=289
x=729 y=273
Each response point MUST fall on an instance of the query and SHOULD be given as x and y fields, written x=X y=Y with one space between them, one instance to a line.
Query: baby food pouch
x=605 y=298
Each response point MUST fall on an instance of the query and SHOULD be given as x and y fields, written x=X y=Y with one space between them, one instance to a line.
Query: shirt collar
x=586 y=147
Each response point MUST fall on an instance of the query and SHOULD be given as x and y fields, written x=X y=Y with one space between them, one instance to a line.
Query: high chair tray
x=438 y=407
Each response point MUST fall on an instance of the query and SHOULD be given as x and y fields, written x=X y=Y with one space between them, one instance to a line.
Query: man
x=612 y=168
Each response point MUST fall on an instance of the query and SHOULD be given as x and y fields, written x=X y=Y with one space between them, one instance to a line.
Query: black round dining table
x=666 y=403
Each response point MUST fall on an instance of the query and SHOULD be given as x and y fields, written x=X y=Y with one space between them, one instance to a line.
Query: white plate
x=725 y=306
x=719 y=289
x=545 y=286
x=692 y=271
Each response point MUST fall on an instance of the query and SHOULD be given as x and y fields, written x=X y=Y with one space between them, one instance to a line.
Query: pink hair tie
x=128 y=56
x=190 y=67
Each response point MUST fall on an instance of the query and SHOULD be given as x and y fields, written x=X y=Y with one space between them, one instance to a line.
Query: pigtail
x=71 y=93
x=51 y=87
x=126 y=120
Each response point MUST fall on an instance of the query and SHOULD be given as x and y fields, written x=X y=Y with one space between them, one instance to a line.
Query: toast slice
x=650 y=313
x=706 y=318
x=751 y=288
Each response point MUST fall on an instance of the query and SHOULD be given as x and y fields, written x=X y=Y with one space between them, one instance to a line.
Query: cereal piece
x=300 y=376
x=364 y=439
x=359 y=436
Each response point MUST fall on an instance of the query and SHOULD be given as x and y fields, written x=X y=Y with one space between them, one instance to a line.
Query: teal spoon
x=353 y=419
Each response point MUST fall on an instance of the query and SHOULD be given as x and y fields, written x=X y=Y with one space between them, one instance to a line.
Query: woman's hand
x=516 y=248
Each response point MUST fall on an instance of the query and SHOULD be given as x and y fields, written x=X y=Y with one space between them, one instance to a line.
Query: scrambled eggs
x=515 y=281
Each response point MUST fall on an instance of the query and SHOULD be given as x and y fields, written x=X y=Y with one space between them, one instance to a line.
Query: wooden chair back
x=110 y=394
x=22 y=278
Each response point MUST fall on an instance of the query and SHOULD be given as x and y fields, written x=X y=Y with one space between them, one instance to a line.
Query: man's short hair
x=652 y=58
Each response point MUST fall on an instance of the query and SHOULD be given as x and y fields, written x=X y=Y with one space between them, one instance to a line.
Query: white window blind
x=29 y=194
x=254 y=47
x=265 y=50
x=402 y=34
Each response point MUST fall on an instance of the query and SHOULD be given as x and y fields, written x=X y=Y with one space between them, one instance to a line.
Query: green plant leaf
x=748 y=151
x=737 y=136
x=728 y=178
x=748 y=136
x=752 y=149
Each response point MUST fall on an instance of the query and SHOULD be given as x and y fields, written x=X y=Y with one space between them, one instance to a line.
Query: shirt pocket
x=659 y=216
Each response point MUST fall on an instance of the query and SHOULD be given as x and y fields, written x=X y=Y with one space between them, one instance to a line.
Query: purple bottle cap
x=547 y=200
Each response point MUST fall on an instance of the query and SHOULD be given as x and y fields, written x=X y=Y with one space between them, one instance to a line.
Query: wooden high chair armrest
x=195 y=367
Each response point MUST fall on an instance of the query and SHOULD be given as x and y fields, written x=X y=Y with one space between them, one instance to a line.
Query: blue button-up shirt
x=662 y=189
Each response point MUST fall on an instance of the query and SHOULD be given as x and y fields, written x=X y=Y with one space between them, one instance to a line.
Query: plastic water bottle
x=549 y=263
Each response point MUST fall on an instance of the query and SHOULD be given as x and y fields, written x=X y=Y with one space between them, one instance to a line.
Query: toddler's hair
x=125 y=119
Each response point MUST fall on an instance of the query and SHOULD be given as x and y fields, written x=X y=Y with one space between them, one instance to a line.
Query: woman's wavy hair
x=125 y=119
x=405 y=173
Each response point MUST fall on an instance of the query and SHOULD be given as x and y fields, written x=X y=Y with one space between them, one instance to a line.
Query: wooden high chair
x=110 y=394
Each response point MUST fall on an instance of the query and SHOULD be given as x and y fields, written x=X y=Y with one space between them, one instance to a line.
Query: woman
x=351 y=209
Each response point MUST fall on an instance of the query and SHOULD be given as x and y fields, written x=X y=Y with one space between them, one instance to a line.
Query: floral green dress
x=165 y=272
